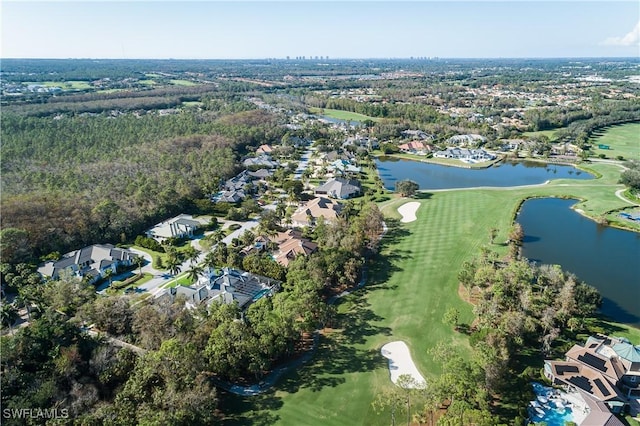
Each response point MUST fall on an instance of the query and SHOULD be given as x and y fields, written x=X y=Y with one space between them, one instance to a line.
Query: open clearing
x=551 y=134
x=342 y=115
x=409 y=289
x=623 y=140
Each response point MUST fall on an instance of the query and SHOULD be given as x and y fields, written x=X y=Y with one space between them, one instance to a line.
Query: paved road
x=304 y=163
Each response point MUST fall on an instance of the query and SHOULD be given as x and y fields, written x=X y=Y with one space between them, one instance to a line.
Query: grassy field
x=409 y=288
x=183 y=83
x=551 y=134
x=623 y=140
x=342 y=115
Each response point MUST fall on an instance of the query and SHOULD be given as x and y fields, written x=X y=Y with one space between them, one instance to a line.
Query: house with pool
x=605 y=372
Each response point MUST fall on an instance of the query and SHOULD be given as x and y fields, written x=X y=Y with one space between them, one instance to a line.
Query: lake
x=436 y=176
x=604 y=257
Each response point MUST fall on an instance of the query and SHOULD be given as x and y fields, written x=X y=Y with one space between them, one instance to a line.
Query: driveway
x=304 y=163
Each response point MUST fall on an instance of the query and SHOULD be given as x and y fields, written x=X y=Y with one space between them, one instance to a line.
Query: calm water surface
x=606 y=258
x=436 y=176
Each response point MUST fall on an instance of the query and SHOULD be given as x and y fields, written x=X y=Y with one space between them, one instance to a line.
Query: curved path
x=623 y=198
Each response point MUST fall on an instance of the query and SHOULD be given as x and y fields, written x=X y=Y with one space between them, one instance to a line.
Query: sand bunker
x=400 y=363
x=408 y=211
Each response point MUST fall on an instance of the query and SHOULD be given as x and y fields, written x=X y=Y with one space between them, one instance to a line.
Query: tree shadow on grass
x=395 y=232
x=423 y=195
x=336 y=354
x=259 y=410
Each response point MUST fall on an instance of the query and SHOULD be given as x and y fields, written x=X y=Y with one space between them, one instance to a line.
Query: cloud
x=632 y=38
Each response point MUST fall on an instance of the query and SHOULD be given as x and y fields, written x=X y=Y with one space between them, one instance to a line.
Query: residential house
x=225 y=286
x=415 y=147
x=292 y=244
x=231 y=196
x=261 y=174
x=91 y=262
x=238 y=182
x=468 y=155
x=417 y=134
x=262 y=160
x=264 y=149
x=181 y=226
x=605 y=371
x=259 y=245
x=466 y=140
x=343 y=166
x=564 y=149
x=310 y=212
x=340 y=188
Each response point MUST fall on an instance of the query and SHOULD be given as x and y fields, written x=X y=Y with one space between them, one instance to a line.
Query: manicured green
x=551 y=134
x=623 y=140
x=342 y=115
x=183 y=82
x=410 y=287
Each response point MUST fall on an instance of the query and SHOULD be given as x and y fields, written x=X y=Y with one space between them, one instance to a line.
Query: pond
x=436 y=176
x=604 y=257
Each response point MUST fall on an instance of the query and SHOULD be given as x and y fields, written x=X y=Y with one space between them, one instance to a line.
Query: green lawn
x=183 y=82
x=551 y=134
x=181 y=279
x=342 y=115
x=622 y=140
x=409 y=289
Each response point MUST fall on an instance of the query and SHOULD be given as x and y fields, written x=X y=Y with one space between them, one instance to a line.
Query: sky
x=336 y=29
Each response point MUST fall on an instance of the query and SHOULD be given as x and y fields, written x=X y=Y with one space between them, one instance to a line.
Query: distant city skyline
x=334 y=29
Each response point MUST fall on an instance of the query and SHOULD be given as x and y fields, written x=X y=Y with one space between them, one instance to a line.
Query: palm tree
x=24 y=299
x=8 y=314
x=210 y=260
x=192 y=254
x=139 y=261
x=194 y=272
x=173 y=265
x=217 y=236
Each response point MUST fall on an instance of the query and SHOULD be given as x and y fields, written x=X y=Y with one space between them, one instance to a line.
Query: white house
x=181 y=226
x=91 y=262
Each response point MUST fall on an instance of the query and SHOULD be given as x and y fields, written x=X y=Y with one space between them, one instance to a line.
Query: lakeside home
x=605 y=372
x=467 y=155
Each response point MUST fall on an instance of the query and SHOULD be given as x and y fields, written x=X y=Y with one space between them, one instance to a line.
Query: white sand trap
x=400 y=363
x=408 y=211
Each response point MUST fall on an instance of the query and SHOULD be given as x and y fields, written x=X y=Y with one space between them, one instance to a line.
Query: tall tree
x=407 y=188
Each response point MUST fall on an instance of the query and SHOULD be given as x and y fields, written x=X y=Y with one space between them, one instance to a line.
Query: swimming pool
x=261 y=294
x=549 y=407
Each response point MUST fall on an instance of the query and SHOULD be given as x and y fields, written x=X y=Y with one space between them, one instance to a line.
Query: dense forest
x=115 y=176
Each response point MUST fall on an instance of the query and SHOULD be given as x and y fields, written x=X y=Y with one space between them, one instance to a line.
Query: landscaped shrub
x=149 y=243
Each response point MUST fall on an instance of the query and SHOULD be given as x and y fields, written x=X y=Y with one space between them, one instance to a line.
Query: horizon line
x=414 y=58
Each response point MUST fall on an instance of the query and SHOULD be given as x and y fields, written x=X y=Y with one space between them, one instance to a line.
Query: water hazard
x=604 y=257
x=436 y=176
